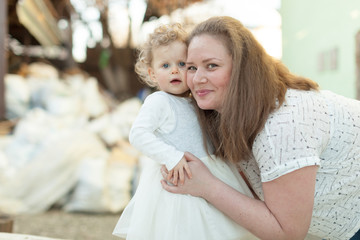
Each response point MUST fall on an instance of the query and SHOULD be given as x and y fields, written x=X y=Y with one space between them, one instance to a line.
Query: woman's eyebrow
x=210 y=59
x=205 y=60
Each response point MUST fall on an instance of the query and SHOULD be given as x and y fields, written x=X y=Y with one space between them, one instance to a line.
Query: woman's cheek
x=189 y=80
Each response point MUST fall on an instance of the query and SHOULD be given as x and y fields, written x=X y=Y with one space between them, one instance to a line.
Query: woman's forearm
x=285 y=213
x=248 y=212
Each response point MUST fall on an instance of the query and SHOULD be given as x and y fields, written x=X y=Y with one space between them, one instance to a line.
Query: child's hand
x=177 y=173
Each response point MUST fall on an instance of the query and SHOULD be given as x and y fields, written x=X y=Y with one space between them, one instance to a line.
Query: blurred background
x=69 y=94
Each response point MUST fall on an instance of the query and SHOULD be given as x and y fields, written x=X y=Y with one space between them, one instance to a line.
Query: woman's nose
x=199 y=77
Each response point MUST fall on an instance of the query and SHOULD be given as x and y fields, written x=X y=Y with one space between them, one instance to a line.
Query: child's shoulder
x=161 y=98
x=158 y=99
x=158 y=96
x=160 y=93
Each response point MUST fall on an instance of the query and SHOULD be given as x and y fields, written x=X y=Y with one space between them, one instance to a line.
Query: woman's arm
x=285 y=212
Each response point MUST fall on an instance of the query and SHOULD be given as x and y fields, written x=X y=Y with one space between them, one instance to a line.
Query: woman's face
x=209 y=67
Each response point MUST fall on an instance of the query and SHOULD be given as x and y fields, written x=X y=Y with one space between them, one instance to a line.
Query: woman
x=298 y=147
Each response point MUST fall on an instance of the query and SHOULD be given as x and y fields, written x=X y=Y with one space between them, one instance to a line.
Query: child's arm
x=155 y=116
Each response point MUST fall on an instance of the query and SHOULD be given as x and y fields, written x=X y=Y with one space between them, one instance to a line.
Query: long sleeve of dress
x=155 y=117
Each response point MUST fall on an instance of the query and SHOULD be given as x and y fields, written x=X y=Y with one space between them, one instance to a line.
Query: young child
x=164 y=129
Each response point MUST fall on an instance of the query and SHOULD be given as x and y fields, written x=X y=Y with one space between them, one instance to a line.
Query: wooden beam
x=6 y=223
x=3 y=58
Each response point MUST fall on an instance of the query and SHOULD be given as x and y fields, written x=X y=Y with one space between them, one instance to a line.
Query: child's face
x=168 y=68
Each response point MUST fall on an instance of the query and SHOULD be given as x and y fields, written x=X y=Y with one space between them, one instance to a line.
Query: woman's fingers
x=169 y=188
x=164 y=171
x=189 y=157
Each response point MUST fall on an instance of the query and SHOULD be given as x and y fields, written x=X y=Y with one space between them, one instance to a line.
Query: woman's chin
x=204 y=106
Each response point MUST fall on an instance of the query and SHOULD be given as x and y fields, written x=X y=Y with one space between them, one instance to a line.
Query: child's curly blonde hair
x=162 y=35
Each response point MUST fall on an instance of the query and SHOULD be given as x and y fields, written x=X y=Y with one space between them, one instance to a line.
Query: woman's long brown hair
x=257 y=87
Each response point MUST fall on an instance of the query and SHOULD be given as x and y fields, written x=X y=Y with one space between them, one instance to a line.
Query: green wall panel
x=319 y=41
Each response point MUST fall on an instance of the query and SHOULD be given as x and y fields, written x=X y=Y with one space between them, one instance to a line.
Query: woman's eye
x=181 y=64
x=165 y=65
x=192 y=68
x=210 y=66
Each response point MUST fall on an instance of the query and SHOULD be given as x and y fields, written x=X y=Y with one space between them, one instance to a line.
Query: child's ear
x=152 y=74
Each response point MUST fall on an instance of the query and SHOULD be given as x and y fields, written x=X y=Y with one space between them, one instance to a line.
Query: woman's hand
x=197 y=185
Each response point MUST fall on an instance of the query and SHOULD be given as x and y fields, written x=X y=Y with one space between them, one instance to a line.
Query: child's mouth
x=175 y=81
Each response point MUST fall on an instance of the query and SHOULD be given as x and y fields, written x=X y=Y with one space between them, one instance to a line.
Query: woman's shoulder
x=295 y=96
x=301 y=110
x=301 y=102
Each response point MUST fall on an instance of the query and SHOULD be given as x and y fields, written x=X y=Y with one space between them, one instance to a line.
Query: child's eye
x=165 y=65
x=181 y=64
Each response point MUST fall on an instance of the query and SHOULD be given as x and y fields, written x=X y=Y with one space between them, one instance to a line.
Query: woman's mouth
x=202 y=92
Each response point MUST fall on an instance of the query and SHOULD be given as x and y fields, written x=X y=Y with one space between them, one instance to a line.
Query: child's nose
x=174 y=70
